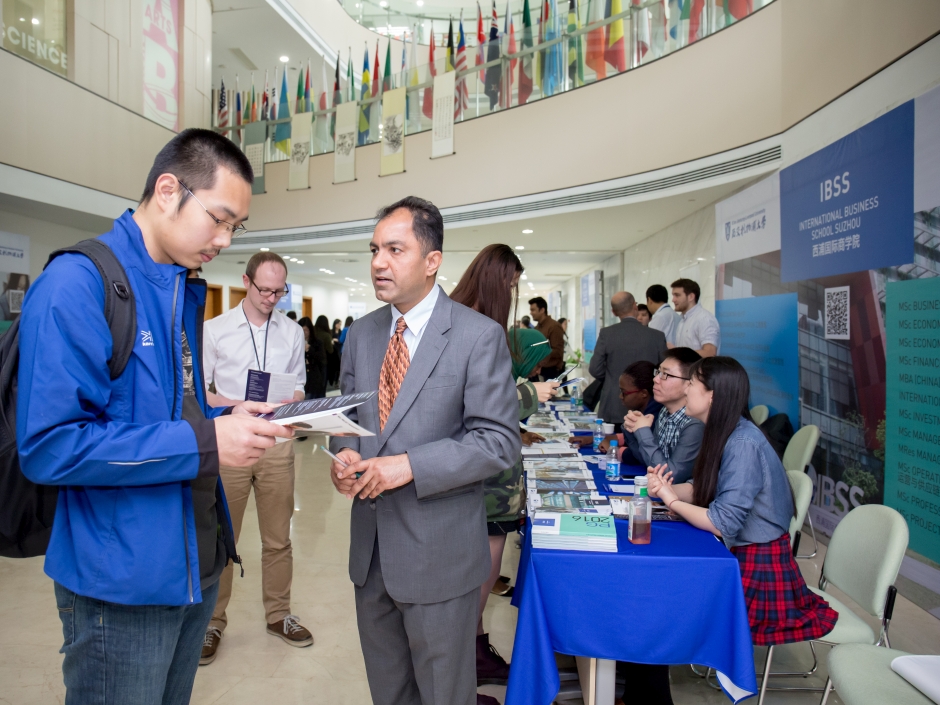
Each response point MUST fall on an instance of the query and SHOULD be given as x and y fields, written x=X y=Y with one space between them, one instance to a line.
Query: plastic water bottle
x=575 y=397
x=598 y=434
x=641 y=513
x=612 y=473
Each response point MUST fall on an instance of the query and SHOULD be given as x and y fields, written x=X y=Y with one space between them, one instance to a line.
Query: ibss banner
x=761 y=333
x=344 y=153
x=748 y=223
x=300 y=129
x=912 y=420
x=847 y=207
x=393 y=132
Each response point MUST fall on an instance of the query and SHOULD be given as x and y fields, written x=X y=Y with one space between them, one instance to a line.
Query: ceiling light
x=526 y=232
x=35 y=20
x=701 y=259
x=520 y=247
x=383 y=4
x=442 y=278
x=285 y=59
x=22 y=19
x=524 y=277
x=419 y=3
x=265 y=249
x=350 y=280
x=293 y=259
x=300 y=261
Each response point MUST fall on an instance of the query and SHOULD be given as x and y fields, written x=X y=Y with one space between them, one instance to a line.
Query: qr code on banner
x=837 y=313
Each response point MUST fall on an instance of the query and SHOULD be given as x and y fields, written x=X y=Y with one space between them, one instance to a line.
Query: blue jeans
x=131 y=654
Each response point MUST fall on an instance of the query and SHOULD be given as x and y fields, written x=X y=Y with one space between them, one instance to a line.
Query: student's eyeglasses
x=662 y=374
x=265 y=293
x=625 y=393
x=234 y=230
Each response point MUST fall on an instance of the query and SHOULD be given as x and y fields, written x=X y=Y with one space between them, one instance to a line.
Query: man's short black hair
x=689 y=287
x=194 y=156
x=427 y=222
x=686 y=357
x=657 y=294
x=540 y=303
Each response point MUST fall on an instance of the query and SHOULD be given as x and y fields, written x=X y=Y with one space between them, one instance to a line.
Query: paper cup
x=608 y=429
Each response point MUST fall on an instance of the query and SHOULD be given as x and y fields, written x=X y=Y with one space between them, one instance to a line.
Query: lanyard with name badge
x=258 y=381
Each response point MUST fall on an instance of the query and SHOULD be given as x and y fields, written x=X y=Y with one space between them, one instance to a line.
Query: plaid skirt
x=780 y=608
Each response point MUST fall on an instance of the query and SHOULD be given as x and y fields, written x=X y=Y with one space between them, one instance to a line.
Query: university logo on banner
x=848 y=207
x=748 y=223
x=344 y=153
x=161 y=62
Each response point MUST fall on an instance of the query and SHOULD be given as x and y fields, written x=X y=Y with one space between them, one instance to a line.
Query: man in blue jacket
x=141 y=532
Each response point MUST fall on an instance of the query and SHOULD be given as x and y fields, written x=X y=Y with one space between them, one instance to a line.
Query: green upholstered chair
x=802 y=487
x=861 y=674
x=796 y=457
x=759 y=414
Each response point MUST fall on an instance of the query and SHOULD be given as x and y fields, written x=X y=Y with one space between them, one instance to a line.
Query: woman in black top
x=315 y=357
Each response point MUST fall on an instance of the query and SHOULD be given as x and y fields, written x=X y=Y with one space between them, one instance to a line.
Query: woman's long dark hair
x=731 y=390
x=323 y=323
x=486 y=286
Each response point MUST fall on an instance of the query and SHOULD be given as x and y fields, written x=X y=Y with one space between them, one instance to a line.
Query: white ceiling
x=560 y=246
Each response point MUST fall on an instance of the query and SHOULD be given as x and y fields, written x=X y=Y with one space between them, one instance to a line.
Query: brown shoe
x=291 y=631
x=486 y=700
x=492 y=669
x=210 y=646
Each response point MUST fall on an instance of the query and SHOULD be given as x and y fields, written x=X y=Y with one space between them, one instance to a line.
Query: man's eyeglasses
x=662 y=374
x=625 y=393
x=234 y=230
x=265 y=293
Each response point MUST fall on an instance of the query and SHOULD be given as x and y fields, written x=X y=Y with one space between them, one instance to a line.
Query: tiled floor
x=257 y=669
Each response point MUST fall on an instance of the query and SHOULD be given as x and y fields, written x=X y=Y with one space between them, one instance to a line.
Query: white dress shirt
x=416 y=319
x=228 y=353
x=697 y=328
x=666 y=321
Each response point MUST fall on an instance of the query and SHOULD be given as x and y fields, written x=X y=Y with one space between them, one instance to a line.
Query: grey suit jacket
x=456 y=416
x=619 y=346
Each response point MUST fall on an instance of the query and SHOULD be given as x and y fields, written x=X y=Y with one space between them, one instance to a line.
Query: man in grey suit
x=445 y=419
x=619 y=346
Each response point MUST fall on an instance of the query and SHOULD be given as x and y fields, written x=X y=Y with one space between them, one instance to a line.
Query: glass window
x=35 y=30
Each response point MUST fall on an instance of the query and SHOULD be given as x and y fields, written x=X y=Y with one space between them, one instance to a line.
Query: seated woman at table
x=740 y=493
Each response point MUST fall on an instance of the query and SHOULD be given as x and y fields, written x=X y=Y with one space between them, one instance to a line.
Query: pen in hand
x=341 y=462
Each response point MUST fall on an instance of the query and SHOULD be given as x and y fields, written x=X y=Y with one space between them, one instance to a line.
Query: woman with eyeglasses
x=740 y=492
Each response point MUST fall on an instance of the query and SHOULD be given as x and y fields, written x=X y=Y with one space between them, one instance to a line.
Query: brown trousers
x=273 y=480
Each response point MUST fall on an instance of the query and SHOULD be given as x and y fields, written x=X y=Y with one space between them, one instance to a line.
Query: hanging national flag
x=737 y=10
x=322 y=124
x=690 y=21
x=282 y=131
x=509 y=35
x=223 y=106
x=300 y=105
x=427 y=106
x=657 y=15
x=596 y=39
x=413 y=78
x=462 y=95
x=337 y=99
x=615 y=53
x=526 y=65
x=238 y=111
x=481 y=37
x=387 y=76
x=350 y=79
x=308 y=94
x=376 y=92
x=264 y=99
x=272 y=101
x=254 y=100
x=554 y=57
x=364 y=108
x=450 y=51
x=575 y=53
x=642 y=19
x=493 y=73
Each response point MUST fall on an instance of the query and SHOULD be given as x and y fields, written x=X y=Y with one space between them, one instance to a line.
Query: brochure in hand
x=574 y=532
x=321 y=415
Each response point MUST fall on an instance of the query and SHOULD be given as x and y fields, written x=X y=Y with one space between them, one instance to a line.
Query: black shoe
x=492 y=669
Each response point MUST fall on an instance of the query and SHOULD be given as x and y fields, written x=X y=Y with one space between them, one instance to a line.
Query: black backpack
x=27 y=509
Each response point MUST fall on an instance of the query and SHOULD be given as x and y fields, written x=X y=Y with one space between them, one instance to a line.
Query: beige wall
x=106 y=54
x=56 y=128
x=751 y=81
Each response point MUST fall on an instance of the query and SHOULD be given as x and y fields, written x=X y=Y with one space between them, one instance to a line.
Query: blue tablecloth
x=677 y=600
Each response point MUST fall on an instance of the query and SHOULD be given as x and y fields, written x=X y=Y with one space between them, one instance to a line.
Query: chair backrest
x=800 y=449
x=802 y=487
x=865 y=553
x=759 y=414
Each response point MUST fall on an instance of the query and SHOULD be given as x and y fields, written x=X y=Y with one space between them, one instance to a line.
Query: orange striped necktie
x=393 y=371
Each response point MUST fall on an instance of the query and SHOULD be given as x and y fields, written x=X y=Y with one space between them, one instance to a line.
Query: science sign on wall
x=161 y=62
x=847 y=207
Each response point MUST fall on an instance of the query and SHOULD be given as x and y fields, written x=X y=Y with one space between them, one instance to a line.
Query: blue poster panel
x=761 y=333
x=848 y=206
x=912 y=418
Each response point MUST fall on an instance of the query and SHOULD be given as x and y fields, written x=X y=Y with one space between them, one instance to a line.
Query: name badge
x=258 y=384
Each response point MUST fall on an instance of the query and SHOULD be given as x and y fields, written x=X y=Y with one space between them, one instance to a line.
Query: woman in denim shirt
x=740 y=493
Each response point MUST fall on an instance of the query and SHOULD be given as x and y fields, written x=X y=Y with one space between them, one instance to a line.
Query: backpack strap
x=119 y=306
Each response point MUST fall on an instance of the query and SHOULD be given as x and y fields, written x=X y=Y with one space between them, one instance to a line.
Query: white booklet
x=321 y=415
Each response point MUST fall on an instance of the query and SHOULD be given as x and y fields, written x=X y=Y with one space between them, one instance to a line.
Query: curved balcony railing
x=565 y=50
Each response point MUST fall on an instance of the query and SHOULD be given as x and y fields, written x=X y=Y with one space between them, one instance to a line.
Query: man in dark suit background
x=619 y=346
x=445 y=418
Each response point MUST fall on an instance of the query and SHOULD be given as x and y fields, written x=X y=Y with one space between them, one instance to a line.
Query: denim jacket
x=753 y=502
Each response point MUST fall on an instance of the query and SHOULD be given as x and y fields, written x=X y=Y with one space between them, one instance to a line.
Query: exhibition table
x=676 y=600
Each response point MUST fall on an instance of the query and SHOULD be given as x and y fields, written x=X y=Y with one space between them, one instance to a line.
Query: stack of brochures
x=574 y=532
x=321 y=416
x=549 y=449
x=583 y=501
